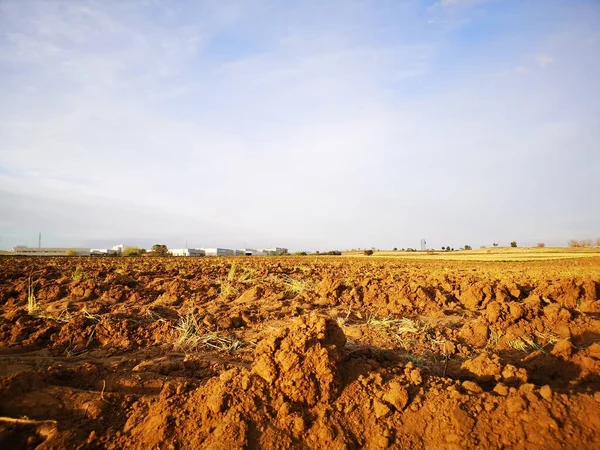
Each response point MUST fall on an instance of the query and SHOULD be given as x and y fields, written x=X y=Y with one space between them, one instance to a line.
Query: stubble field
x=283 y=352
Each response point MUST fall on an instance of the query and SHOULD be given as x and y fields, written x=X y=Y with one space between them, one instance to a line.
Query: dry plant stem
x=27 y=421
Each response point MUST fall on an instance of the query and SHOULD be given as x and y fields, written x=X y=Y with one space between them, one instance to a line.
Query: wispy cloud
x=459 y=3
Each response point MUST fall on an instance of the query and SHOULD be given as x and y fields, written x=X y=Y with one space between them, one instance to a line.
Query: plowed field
x=324 y=353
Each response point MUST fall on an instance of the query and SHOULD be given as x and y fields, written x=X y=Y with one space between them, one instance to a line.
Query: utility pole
x=40 y=240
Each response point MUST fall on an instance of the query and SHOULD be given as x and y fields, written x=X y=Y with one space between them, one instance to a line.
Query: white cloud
x=306 y=134
x=458 y=3
x=544 y=61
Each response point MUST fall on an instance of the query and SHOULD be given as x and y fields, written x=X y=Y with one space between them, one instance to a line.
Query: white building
x=103 y=251
x=23 y=250
x=218 y=252
x=249 y=252
x=187 y=252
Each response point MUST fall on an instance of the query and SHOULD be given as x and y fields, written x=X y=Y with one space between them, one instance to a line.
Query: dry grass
x=234 y=277
x=405 y=330
x=386 y=322
x=193 y=336
x=525 y=344
x=78 y=274
x=227 y=288
x=33 y=307
x=296 y=286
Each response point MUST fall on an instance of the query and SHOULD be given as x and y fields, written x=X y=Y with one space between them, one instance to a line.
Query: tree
x=160 y=250
x=396 y=249
x=582 y=243
x=468 y=247
x=495 y=244
x=541 y=244
x=513 y=244
x=131 y=251
x=368 y=252
x=447 y=248
x=443 y=248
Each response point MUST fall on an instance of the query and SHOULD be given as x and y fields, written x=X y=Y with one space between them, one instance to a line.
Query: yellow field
x=489 y=254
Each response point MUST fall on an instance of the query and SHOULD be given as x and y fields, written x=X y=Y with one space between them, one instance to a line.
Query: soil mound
x=303 y=361
x=295 y=371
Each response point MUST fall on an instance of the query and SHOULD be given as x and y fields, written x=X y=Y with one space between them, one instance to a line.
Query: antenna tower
x=423 y=244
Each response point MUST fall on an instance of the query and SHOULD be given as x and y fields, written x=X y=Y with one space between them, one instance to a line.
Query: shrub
x=513 y=244
x=131 y=251
x=72 y=252
x=468 y=247
x=368 y=252
x=581 y=243
x=160 y=250
x=541 y=244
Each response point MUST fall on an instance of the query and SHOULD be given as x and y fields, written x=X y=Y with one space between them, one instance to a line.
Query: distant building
x=249 y=252
x=187 y=252
x=218 y=252
x=103 y=252
x=23 y=250
x=274 y=251
x=261 y=251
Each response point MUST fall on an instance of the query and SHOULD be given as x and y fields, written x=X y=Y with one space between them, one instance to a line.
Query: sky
x=312 y=125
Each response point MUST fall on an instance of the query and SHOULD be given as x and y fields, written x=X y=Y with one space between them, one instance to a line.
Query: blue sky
x=311 y=125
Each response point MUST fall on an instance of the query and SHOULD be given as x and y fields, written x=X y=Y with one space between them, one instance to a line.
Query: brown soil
x=298 y=353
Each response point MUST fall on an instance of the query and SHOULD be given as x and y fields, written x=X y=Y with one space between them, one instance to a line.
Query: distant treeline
x=584 y=243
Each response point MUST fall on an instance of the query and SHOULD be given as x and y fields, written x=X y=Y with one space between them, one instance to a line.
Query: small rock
x=516 y=404
x=380 y=408
x=563 y=349
x=396 y=395
x=475 y=333
x=449 y=348
x=513 y=374
x=471 y=386
x=489 y=406
x=594 y=350
x=501 y=389
x=546 y=392
x=415 y=376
